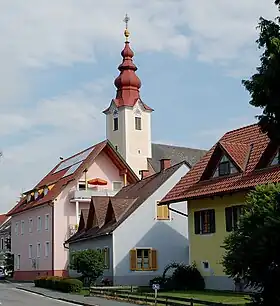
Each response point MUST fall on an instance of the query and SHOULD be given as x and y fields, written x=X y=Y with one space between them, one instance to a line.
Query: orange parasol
x=97 y=181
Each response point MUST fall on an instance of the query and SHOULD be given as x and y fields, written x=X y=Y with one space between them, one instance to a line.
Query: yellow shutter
x=133 y=260
x=162 y=212
x=159 y=211
x=153 y=259
x=165 y=212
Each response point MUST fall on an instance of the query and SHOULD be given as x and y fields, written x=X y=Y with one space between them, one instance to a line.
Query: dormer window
x=225 y=167
x=36 y=194
x=276 y=159
x=29 y=197
x=46 y=190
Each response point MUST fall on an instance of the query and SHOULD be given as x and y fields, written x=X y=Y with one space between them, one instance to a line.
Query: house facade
x=48 y=214
x=216 y=189
x=137 y=237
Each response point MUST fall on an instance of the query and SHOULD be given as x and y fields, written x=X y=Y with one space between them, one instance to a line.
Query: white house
x=138 y=237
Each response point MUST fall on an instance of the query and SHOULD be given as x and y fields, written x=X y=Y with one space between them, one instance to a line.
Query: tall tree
x=264 y=86
x=252 y=251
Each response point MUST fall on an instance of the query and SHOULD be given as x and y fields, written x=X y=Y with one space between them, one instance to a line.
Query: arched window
x=115 y=120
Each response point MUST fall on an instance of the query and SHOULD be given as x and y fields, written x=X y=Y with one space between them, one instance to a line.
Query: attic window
x=276 y=159
x=29 y=197
x=46 y=190
x=225 y=167
x=36 y=194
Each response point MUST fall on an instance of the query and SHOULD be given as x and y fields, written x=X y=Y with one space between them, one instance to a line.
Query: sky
x=59 y=59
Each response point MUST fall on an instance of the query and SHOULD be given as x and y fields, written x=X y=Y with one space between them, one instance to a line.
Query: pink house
x=48 y=215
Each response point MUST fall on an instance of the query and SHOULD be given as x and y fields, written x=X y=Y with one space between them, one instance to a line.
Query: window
x=276 y=159
x=225 y=167
x=47 y=248
x=36 y=194
x=18 y=262
x=232 y=215
x=47 y=221
x=16 y=228
x=38 y=249
x=116 y=124
x=22 y=227
x=46 y=190
x=204 y=222
x=82 y=185
x=144 y=259
x=30 y=251
x=2 y=243
x=116 y=147
x=39 y=223
x=162 y=212
x=30 y=225
x=205 y=265
x=29 y=197
x=137 y=123
x=117 y=186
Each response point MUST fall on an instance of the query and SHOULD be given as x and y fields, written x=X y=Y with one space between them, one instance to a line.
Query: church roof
x=175 y=153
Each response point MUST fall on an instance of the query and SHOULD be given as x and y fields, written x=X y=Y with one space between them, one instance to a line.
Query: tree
x=263 y=86
x=90 y=263
x=9 y=257
x=252 y=251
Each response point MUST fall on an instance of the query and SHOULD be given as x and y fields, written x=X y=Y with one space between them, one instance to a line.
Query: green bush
x=59 y=283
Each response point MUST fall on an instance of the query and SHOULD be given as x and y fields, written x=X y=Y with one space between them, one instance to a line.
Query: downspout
x=177 y=211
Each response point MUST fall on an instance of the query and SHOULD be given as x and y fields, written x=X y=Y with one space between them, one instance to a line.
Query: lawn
x=211 y=296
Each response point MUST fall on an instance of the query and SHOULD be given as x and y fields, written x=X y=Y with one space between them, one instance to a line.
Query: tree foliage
x=90 y=263
x=263 y=86
x=252 y=251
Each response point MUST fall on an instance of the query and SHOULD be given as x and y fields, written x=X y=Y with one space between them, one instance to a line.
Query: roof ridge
x=240 y=128
x=177 y=146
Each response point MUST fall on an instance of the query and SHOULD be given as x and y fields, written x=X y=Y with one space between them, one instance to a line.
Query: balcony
x=87 y=194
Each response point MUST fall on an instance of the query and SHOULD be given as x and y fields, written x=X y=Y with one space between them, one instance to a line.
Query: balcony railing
x=87 y=194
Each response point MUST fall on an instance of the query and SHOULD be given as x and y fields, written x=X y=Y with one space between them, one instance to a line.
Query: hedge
x=59 y=283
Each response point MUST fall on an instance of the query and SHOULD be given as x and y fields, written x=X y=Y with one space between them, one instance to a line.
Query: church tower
x=128 y=118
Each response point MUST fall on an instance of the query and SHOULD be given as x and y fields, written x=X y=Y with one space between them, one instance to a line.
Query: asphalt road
x=10 y=296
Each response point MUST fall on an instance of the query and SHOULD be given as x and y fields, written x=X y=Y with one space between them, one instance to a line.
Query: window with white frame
x=30 y=251
x=2 y=243
x=39 y=223
x=30 y=225
x=22 y=227
x=117 y=186
x=16 y=228
x=47 y=221
x=18 y=262
x=47 y=248
x=225 y=167
x=38 y=249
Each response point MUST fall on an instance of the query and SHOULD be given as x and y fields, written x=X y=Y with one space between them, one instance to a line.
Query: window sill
x=163 y=219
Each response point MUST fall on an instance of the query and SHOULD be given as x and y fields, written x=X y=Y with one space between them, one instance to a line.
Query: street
x=10 y=296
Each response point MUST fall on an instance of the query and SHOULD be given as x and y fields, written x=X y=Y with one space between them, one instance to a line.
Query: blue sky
x=59 y=60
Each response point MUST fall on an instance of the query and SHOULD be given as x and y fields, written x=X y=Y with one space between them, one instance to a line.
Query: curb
x=58 y=299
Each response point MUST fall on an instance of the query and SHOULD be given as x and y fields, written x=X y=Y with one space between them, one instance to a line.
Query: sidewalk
x=71 y=298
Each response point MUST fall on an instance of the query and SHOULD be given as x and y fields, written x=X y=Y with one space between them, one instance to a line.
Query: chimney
x=165 y=163
x=144 y=173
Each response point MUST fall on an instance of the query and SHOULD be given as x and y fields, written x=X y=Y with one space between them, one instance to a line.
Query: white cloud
x=43 y=34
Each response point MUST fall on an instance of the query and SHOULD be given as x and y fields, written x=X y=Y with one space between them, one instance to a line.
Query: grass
x=230 y=298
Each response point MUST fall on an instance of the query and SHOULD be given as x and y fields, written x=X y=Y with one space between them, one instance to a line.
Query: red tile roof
x=246 y=147
x=3 y=218
x=58 y=181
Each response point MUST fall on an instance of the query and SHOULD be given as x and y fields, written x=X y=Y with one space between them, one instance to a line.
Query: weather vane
x=126 y=20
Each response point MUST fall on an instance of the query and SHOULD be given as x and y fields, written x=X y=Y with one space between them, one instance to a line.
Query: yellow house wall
x=208 y=247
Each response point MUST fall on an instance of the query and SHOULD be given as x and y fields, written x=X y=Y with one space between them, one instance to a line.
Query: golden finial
x=126 y=32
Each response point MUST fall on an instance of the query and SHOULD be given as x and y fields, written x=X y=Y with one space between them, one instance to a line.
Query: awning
x=97 y=181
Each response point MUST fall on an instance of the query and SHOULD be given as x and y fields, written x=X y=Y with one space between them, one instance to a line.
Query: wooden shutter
x=212 y=221
x=166 y=212
x=106 y=255
x=153 y=259
x=228 y=213
x=159 y=211
x=197 y=222
x=133 y=260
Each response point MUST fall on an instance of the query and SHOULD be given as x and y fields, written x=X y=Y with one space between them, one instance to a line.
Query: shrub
x=59 y=283
x=158 y=280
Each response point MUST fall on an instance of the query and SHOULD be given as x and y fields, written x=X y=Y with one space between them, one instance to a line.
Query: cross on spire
x=126 y=32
